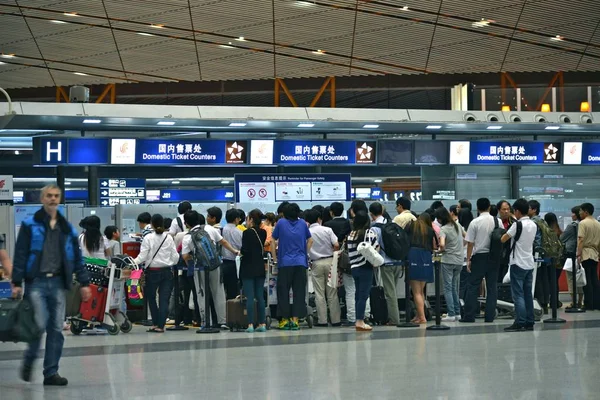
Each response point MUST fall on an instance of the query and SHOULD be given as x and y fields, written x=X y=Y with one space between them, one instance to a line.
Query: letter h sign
x=54 y=151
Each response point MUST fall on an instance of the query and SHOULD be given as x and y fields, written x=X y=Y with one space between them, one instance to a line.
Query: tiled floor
x=476 y=361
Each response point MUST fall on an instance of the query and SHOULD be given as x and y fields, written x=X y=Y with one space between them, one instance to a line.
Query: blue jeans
x=48 y=296
x=254 y=290
x=161 y=280
x=363 y=280
x=451 y=274
x=521 y=281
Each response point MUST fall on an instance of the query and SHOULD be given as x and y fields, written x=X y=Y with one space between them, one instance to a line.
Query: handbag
x=368 y=251
x=580 y=279
x=343 y=261
x=332 y=278
x=17 y=321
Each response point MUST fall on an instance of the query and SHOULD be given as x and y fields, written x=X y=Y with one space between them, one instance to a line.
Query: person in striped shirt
x=362 y=270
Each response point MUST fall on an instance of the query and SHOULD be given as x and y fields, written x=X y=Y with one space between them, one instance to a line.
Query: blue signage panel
x=88 y=151
x=315 y=152
x=190 y=152
x=591 y=154
x=271 y=188
x=516 y=153
x=52 y=151
x=177 y=195
x=114 y=191
x=376 y=193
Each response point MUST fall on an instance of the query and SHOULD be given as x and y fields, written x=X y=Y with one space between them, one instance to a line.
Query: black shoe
x=468 y=321
x=337 y=325
x=489 y=321
x=529 y=327
x=321 y=325
x=545 y=310
x=26 y=371
x=55 y=380
x=515 y=328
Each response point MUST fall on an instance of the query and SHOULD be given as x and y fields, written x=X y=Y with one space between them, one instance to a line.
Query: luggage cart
x=114 y=320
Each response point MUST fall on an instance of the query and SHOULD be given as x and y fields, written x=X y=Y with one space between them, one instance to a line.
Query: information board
x=319 y=152
x=505 y=153
x=116 y=191
x=191 y=152
x=271 y=188
x=78 y=151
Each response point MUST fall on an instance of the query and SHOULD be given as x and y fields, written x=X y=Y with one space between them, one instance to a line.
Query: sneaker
x=529 y=327
x=284 y=324
x=250 y=329
x=449 y=319
x=55 y=380
x=224 y=327
x=294 y=326
x=261 y=329
x=26 y=371
x=515 y=328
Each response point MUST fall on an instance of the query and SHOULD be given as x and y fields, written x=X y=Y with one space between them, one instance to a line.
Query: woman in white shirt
x=91 y=241
x=158 y=253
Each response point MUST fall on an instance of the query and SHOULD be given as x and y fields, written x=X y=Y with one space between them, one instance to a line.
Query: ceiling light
x=585 y=106
x=175 y=183
x=57 y=21
x=377 y=181
x=433 y=127
x=145 y=34
x=226 y=46
x=241 y=39
x=506 y=108
x=482 y=24
x=370 y=126
x=405 y=8
x=92 y=121
x=305 y=3
x=305 y=125
x=1 y=63
x=166 y=123
x=80 y=73
x=67 y=183
x=557 y=38
x=237 y=124
x=319 y=52
x=545 y=107
x=552 y=128
x=224 y=182
x=7 y=56
x=71 y=14
x=157 y=26
x=494 y=127
x=17 y=152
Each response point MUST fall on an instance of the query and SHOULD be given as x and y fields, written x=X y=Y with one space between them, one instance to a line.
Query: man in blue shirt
x=289 y=247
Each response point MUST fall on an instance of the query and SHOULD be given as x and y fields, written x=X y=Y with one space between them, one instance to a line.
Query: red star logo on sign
x=2 y=183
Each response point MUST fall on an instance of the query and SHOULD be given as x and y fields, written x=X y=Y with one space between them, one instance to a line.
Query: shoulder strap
x=259 y=241
x=517 y=236
x=495 y=223
x=180 y=224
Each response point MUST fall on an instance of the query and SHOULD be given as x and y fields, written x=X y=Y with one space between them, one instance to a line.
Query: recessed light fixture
x=17 y=152
x=240 y=124
x=71 y=14
x=80 y=73
x=7 y=56
x=377 y=181
x=226 y=46
x=319 y=52
x=1 y=63
x=304 y=3
x=433 y=127
x=166 y=123
x=405 y=8
x=557 y=38
x=175 y=182
x=494 y=127
x=370 y=126
x=157 y=26
x=92 y=121
x=305 y=125
x=241 y=39
x=58 y=21
x=482 y=24
x=68 y=183
x=145 y=34
x=552 y=128
x=224 y=182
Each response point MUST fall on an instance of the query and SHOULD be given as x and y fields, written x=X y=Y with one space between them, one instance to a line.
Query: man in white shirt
x=479 y=264
x=390 y=270
x=405 y=216
x=325 y=242
x=522 y=265
x=216 y=287
x=178 y=224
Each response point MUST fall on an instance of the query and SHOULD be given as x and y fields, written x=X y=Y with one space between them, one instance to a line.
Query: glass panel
x=566 y=182
x=473 y=182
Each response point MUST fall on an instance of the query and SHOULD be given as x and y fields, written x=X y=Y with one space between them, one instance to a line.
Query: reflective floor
x=473 y=361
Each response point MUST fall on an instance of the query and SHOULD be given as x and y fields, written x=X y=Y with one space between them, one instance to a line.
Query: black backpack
x=396 y=242
x=496 y=245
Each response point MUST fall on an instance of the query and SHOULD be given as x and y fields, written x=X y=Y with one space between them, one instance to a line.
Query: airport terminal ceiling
x=113 y=41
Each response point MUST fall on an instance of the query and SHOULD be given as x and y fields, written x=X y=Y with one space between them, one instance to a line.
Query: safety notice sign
x=251 y=192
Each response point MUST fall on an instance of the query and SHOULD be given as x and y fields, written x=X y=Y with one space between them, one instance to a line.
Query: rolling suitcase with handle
x=94 y=309
x=237 y=315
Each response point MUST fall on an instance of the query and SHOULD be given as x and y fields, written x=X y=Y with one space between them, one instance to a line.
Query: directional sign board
x=115 y=191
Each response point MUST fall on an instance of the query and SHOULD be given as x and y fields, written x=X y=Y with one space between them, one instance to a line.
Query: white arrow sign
x=105 y=203
x=104 y=193
x=104 y=183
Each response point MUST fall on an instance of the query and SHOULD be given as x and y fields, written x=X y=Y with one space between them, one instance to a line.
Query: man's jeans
x=451 y=274
x=350 y=299
x=521 y=281
x=48 y=296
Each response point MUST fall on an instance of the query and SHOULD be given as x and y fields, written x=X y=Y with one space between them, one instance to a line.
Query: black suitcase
x=379 y=312
x=504 y=292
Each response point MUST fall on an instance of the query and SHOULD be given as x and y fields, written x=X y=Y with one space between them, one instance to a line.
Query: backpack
x=396 y=242
x=206 y=253
x=551 y=246
x=496 y=245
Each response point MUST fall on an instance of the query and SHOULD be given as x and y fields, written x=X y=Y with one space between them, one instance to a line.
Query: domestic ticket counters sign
x=271 y=188
x=505 y=153
x=316 y=152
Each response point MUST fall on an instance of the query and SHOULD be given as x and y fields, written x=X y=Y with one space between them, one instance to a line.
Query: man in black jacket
x=339 y=225
x=46 y=256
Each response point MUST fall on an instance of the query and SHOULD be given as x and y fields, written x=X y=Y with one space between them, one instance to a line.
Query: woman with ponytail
x=91 y=241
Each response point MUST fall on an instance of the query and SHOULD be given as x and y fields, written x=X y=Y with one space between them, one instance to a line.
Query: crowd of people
x=503 y=242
